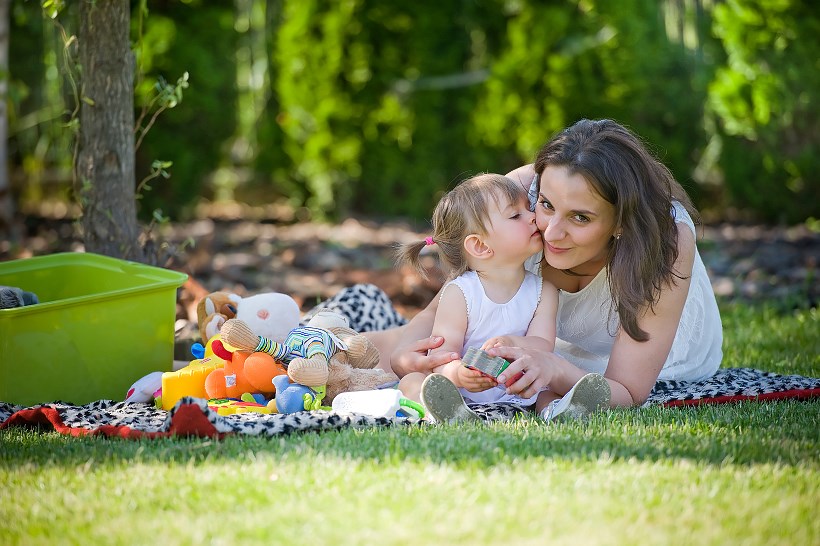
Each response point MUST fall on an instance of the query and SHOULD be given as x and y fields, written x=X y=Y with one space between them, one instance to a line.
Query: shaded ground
x=313 y=261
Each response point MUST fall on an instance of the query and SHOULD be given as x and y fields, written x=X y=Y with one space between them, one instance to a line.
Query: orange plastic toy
x=244 y=372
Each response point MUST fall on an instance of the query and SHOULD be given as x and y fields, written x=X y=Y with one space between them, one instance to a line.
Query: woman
x=635 y=301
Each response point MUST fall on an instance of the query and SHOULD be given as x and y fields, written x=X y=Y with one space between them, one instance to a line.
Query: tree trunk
x=6 y=204
x=105 y=179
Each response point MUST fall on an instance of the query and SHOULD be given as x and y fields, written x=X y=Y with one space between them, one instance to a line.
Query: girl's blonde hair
x=462 y=211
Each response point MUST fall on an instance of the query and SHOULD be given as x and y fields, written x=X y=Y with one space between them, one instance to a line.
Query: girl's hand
x=535 y=365
x=498 y=341
x=414 y=357
x=473 y=380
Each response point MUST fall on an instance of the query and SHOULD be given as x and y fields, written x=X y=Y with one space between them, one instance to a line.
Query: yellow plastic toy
x=188 y=381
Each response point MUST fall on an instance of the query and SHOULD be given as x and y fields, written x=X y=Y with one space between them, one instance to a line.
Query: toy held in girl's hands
x=479 y=360
x=491 y=366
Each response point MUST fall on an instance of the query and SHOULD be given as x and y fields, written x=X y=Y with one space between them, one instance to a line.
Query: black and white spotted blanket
x=193 y=417
x=368 y=308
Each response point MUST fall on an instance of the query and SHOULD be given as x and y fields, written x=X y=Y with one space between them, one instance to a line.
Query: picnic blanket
x=193 y=416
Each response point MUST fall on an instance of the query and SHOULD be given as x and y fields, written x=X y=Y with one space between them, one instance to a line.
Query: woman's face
x=577 y=224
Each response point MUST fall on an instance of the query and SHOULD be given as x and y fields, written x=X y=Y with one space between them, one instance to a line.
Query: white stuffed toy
x=270 y=314
x=145 y=389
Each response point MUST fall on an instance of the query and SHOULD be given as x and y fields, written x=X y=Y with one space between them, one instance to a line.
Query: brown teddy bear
x=213 y=310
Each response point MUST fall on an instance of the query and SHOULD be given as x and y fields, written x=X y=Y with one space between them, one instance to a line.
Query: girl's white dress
x=486 y=319
x=587 y=323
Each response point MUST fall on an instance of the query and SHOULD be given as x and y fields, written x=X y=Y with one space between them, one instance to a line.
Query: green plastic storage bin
x=101 y=324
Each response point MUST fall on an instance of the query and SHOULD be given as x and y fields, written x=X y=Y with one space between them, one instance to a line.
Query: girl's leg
x=545 y=398
x=410 y=385
x=443 y=401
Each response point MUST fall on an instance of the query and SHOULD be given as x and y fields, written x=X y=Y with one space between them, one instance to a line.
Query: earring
x=617 y=236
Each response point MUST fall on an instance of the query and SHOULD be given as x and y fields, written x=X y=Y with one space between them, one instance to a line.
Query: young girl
x=484 y=231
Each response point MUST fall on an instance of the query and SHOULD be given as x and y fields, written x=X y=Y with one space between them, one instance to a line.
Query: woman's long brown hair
x=621 y=169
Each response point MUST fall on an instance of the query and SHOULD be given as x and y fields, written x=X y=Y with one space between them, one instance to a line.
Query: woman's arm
x=523 y=175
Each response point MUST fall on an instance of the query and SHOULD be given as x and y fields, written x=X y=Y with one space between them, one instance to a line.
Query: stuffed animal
x=356 y=368
x=145 y=389
x=324 y=353
x=270 y=314
x=213 y=310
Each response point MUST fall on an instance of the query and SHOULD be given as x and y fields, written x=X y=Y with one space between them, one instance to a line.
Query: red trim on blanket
x=188 y=420
x=799 y=394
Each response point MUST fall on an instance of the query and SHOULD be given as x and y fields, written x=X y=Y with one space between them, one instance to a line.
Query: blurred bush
x=365 y=107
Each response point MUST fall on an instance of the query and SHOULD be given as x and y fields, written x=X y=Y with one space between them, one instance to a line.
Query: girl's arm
x=542 y=324
x=541 y=331
x=451 y=325
x=525 y=342
x=405 y=349
x=451 y=320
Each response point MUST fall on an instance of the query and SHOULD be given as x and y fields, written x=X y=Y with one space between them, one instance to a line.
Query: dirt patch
x=313 y=261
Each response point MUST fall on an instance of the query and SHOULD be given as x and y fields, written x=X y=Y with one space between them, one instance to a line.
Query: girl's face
x=511 y=230
x=577 y=224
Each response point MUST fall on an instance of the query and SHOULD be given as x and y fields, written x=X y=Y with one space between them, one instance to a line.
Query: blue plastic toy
x=293 y=397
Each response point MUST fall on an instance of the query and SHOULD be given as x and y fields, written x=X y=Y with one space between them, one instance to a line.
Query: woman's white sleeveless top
x=587 y=324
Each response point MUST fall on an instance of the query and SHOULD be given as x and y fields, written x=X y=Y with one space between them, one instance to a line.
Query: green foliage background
x=368 y=107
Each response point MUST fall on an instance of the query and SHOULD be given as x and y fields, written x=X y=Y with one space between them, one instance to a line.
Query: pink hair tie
x=429 y=241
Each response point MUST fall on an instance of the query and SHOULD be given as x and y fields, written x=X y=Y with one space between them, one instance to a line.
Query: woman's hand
x=536 y=365
x=414 y=357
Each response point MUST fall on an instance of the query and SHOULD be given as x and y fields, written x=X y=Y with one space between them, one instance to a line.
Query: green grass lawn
x=744 y=473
